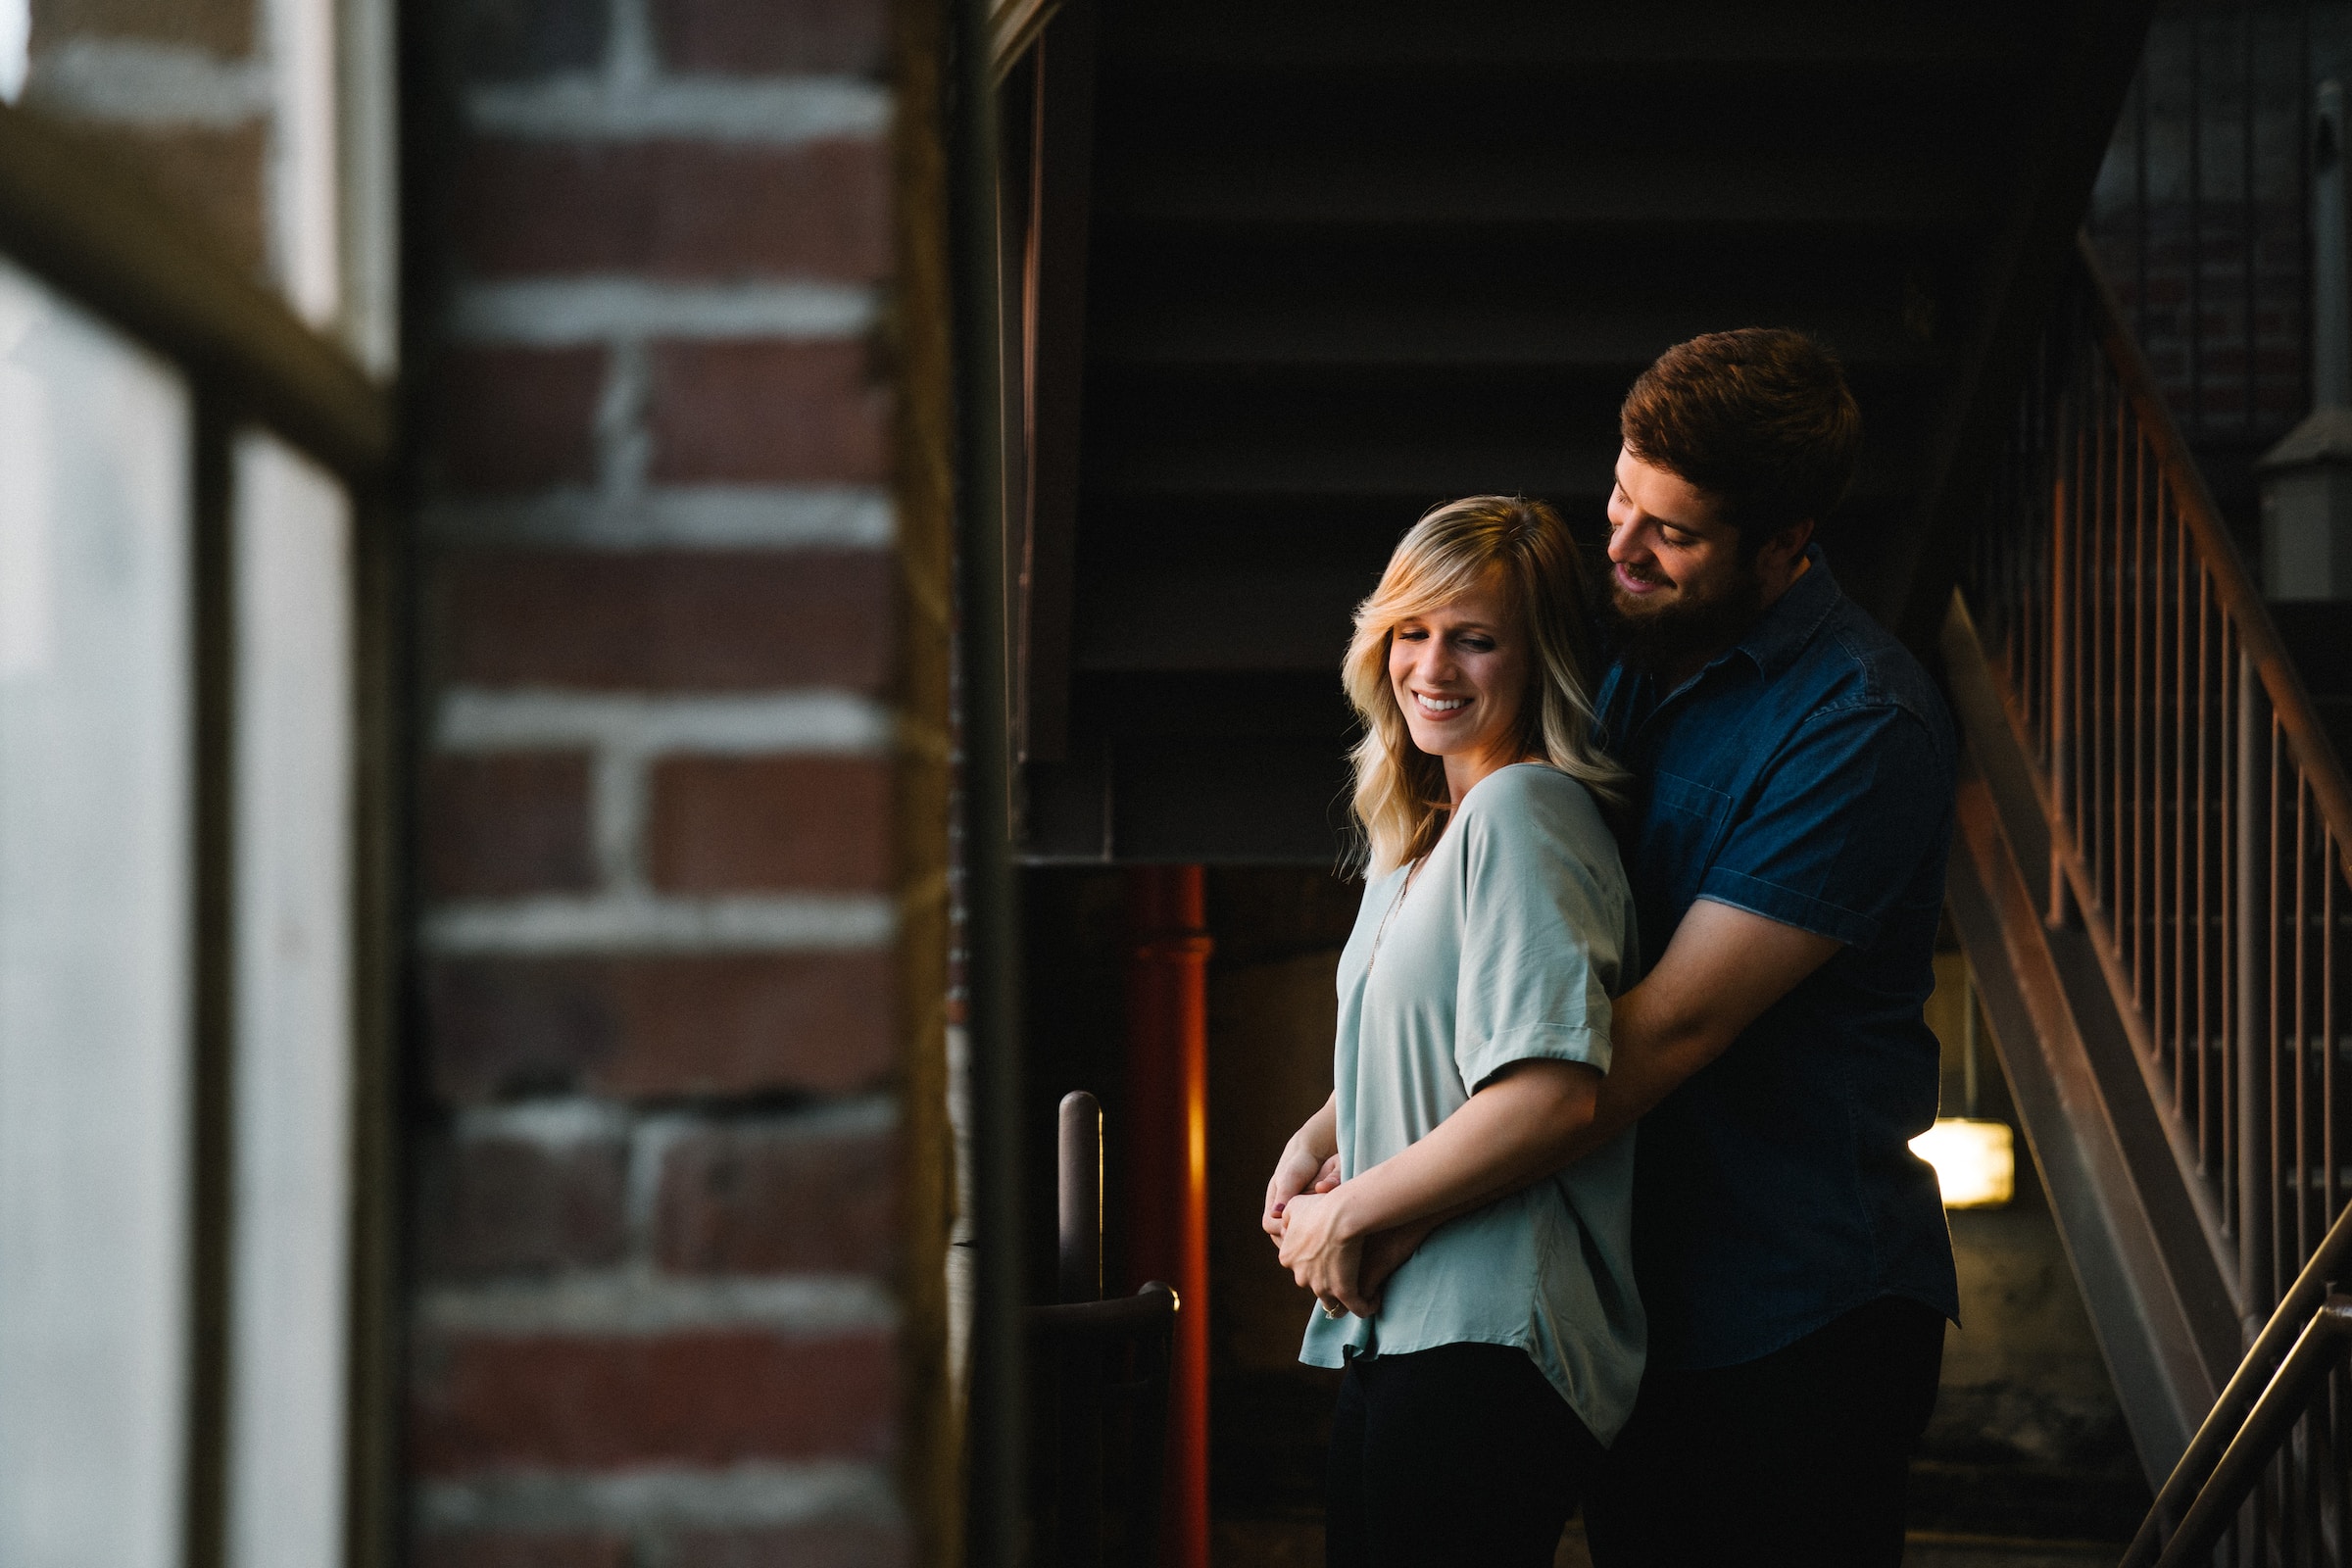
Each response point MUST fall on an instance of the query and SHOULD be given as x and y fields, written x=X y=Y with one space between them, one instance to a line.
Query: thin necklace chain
x=1388 y=914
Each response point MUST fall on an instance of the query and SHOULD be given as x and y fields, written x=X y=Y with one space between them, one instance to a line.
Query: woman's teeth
x=1435 y=704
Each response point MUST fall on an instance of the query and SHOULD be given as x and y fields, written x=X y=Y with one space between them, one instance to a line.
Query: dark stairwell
x=1341 y=263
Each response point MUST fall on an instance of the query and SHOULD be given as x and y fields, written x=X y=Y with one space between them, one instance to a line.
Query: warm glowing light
x=1976 y=1161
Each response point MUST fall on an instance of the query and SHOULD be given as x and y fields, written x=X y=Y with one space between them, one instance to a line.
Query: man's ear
x=1783 y=550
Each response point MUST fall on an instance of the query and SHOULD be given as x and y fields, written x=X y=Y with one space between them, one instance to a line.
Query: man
x=1794 y=775
x=1794 y=771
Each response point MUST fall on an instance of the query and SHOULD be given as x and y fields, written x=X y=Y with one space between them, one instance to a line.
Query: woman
x=1474 y=1027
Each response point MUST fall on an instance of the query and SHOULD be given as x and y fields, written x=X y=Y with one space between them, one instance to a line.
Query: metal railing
x=1108 y=1362
x=2199 y=824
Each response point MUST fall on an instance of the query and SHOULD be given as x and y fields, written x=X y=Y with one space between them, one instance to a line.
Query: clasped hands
x=1308 y=1217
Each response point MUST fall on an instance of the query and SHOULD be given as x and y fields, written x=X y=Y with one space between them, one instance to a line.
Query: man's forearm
x=1653 y=1048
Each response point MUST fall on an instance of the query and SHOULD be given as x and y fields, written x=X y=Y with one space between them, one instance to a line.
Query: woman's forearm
x=1319 y=1134
x=1503 y=1136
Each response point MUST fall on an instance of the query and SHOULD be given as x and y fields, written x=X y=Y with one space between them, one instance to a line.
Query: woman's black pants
x=1455 y=1456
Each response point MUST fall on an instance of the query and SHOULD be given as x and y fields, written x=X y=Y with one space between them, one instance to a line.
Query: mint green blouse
x=1506 y=948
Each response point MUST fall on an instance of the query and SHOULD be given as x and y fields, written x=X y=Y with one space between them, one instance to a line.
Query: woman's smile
x=1458 y=672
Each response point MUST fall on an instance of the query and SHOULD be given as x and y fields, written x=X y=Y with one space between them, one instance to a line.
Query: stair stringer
x=2159 y=1303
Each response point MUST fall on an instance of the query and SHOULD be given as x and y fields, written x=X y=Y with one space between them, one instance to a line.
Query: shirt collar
x=1782 y=632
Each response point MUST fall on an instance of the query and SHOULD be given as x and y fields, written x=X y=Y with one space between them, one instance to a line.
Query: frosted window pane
x=94 y=940
x=293 y=1081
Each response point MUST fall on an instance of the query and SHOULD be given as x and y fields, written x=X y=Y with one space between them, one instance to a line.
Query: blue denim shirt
x=1806 y=776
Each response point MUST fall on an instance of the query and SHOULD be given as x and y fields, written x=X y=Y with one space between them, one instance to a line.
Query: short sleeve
x=1845 y=816
x=1545 y=927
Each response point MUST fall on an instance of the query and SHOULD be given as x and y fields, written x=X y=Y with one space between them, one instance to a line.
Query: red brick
x=742 y=1200
x=767 y=413
x=706 y=620
x=495 y=1206
x=505 y=1548
x=827 y=1543
x=728 y=825
x=676 y=209
x=760 y=37
x=660 y=1027
x=505 y=824
x=512 y=419
x=223 y=27
x=712 y=1397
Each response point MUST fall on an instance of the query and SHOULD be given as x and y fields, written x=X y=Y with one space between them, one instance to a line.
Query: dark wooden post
x=1167 y=1165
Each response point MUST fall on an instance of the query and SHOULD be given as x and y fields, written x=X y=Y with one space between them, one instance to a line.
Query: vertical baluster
x=2056 y=763
x=2330 y=1110
x=2119 y=717
x=2171 y=822
x=2301 y=1023
x=2100 y=624
x=2143 y=721
x=2216 y=775
x=2215 y=1129
x=2277 y=957
x=2082 y=634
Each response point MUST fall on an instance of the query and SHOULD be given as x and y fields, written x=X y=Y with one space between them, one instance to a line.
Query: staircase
x=1344 y=262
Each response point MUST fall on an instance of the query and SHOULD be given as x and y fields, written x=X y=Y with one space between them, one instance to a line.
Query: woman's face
x=1459 y=674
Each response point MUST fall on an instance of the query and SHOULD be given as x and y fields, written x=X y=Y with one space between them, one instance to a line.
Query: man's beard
x=1689 y=628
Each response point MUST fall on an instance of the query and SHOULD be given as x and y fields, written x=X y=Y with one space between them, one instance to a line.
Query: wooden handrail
x=94 y=233
x=2307 y=739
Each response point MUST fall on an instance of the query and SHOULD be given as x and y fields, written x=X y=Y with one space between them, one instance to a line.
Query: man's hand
x=1385 y=1252
x=1320 y=1255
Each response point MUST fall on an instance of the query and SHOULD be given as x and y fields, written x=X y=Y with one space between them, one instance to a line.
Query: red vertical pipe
x=1167 y=1165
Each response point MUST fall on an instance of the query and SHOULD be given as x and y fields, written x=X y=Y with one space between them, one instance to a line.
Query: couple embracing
x=1612 y=1203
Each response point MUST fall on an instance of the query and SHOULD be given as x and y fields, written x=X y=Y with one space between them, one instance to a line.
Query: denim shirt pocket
x=1686 y=825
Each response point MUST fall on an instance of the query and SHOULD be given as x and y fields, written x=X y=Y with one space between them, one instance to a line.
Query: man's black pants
x=1453 y=1456
x=1799 y=1457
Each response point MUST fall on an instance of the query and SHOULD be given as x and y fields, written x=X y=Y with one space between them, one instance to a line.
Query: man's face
x=1678 y=589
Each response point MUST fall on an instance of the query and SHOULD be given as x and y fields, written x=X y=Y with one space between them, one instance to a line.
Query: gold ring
x=1329 y=1310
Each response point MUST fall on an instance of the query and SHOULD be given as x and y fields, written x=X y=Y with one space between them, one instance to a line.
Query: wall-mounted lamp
x=1976 y=1161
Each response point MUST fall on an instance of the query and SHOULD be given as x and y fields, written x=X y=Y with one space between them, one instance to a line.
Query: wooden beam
x=92 y=230
x=1062 y=172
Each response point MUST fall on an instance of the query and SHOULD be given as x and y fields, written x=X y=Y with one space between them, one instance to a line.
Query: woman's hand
x=1321 y=1254
x=1311 y=1162
x=1298 y=1171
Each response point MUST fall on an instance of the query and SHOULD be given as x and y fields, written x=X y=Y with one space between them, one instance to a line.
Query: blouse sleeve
x=1545 y=918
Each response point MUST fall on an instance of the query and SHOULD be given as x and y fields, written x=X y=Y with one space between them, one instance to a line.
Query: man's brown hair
x=1759 y=419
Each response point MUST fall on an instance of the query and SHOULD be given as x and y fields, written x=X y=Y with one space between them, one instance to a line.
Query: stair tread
x=1774 y=35
x=1855 y=190
x=1342 y=332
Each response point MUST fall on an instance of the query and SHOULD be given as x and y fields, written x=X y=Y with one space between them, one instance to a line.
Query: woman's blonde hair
x=1401 y=796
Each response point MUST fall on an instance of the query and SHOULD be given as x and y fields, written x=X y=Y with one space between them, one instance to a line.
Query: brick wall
x=178 y=89
x=680 y=1183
